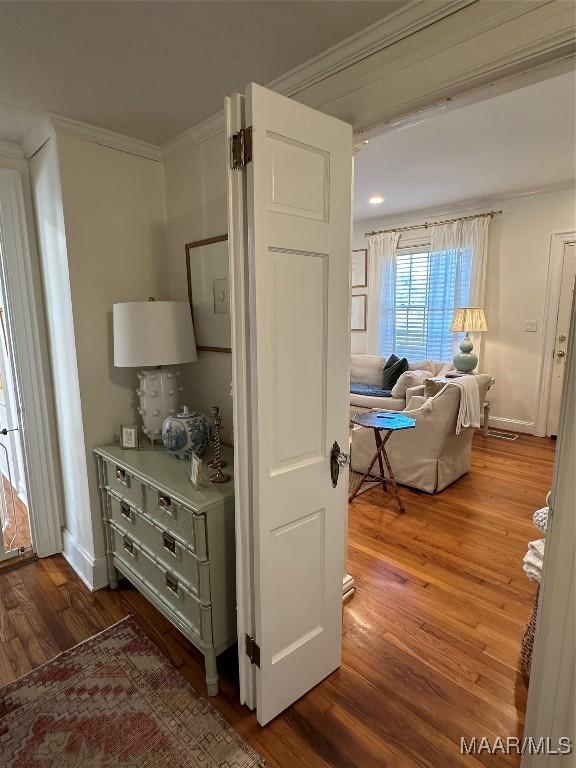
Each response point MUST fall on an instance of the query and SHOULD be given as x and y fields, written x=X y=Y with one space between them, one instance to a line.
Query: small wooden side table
x=381 y=422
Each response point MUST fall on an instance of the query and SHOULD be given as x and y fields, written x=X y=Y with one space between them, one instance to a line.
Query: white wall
x=196 y=200
x=518 y=255
x=101 y=221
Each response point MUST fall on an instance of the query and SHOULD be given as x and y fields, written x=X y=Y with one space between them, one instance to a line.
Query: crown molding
x=211 y=126
x=37 y=136
x=13 y=151
x=404 y=22
x=51 y=123
x=470 y=206
x=391 y=29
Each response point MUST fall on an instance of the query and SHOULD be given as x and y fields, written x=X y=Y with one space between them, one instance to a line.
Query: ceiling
x=523 y=140
x=151 y=69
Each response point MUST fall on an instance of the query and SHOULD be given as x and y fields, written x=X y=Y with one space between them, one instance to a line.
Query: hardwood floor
x=431 y=639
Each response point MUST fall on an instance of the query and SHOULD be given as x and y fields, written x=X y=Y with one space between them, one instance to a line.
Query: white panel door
x=298 y=204
x=561 y=338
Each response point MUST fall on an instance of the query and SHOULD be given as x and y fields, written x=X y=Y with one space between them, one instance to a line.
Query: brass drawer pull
x=125 y=511
x=122 y=477
x=169 y=543
x=128 y=545
x=165 y=502
x=172 y=582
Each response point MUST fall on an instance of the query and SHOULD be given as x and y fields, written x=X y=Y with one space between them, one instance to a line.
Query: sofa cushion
x=368 y=403
x=409 y=379
x=432 y=387
x=445 y=368
x=357 y=388
x=422 y=365
x=391 y=375
x=367 y=369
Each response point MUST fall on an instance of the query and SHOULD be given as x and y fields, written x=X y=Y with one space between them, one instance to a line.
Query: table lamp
x=470 y=320
x=149 y=335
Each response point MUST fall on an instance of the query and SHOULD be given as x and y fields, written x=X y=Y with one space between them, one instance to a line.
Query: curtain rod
x=433 y=223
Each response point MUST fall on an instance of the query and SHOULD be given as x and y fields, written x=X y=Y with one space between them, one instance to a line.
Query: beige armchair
x=431 y=456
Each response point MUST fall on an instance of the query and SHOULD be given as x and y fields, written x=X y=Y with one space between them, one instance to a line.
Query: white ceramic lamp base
x=158 y=390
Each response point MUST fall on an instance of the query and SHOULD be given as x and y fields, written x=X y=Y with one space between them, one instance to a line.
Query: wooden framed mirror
x=209 y=293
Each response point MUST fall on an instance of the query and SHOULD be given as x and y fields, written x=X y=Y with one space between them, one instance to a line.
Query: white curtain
x=467 y=241
x=381 y=293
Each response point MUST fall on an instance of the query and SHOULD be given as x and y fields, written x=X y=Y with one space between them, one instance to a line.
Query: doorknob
x=561 y=353
x=337 y=459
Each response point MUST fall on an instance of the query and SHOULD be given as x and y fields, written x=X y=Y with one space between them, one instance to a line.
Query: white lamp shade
x=469 y=319
x=151 y=333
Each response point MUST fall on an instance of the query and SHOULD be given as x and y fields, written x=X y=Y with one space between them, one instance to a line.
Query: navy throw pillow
x=392 y=374
x=391 y=360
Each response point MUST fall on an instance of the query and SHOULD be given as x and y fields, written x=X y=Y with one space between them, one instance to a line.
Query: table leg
x=392 y=479
x=364 y=476
x=486 y=418
x=211 y=672
x=379 y=449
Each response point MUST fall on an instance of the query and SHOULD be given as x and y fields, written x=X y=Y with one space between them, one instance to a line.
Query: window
x=429 y=285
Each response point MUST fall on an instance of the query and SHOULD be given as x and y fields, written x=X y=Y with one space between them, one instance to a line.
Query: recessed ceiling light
x=376 y=200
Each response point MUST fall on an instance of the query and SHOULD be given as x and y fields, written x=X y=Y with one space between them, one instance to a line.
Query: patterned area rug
x=114 y=701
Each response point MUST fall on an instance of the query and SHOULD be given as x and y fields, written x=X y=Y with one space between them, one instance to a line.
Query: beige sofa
x=368 y=369
x=431 y=456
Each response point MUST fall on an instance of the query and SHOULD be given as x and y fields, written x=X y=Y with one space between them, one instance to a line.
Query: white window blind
x=429 y=285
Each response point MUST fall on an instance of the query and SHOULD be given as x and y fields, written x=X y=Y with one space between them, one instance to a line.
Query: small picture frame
x=196 y=472
x=129 y=437
x=358 y=313
x=359 y=268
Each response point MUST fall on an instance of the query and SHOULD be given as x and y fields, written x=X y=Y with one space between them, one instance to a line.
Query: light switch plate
x=530 y=326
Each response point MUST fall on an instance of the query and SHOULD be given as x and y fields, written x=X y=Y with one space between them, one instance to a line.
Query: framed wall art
x=209 y=293
x=359 y=268
x=358 y=313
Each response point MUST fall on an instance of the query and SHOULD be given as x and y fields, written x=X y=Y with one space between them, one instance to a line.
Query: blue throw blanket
x=369 y=389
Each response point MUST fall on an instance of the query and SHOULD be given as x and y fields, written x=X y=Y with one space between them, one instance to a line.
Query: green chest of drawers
x=175 y=544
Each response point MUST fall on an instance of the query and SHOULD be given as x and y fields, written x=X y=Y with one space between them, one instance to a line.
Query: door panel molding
x=551 y=302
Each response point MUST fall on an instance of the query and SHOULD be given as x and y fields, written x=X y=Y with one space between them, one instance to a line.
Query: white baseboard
x=92 y=571
x=512 y=425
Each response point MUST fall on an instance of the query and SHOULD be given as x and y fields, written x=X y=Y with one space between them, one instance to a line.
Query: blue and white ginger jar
x=186 y=432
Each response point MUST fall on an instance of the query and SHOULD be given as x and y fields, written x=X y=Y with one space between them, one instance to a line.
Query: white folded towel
x=469 y=410
x=537 y=547
x=534 y=559
x=534 y=574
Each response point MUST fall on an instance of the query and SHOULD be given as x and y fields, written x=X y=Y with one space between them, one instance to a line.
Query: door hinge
x=241 y=148
x=252 y=650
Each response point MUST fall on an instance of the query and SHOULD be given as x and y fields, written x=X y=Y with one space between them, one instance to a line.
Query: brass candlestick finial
x=218 y=462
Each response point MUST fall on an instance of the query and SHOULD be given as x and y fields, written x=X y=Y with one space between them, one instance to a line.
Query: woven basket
x=528 y=636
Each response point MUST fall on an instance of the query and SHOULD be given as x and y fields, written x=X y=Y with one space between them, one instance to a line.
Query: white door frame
x=547 y=343
x=21 y=296
x=551 y=695
x=241 y=373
